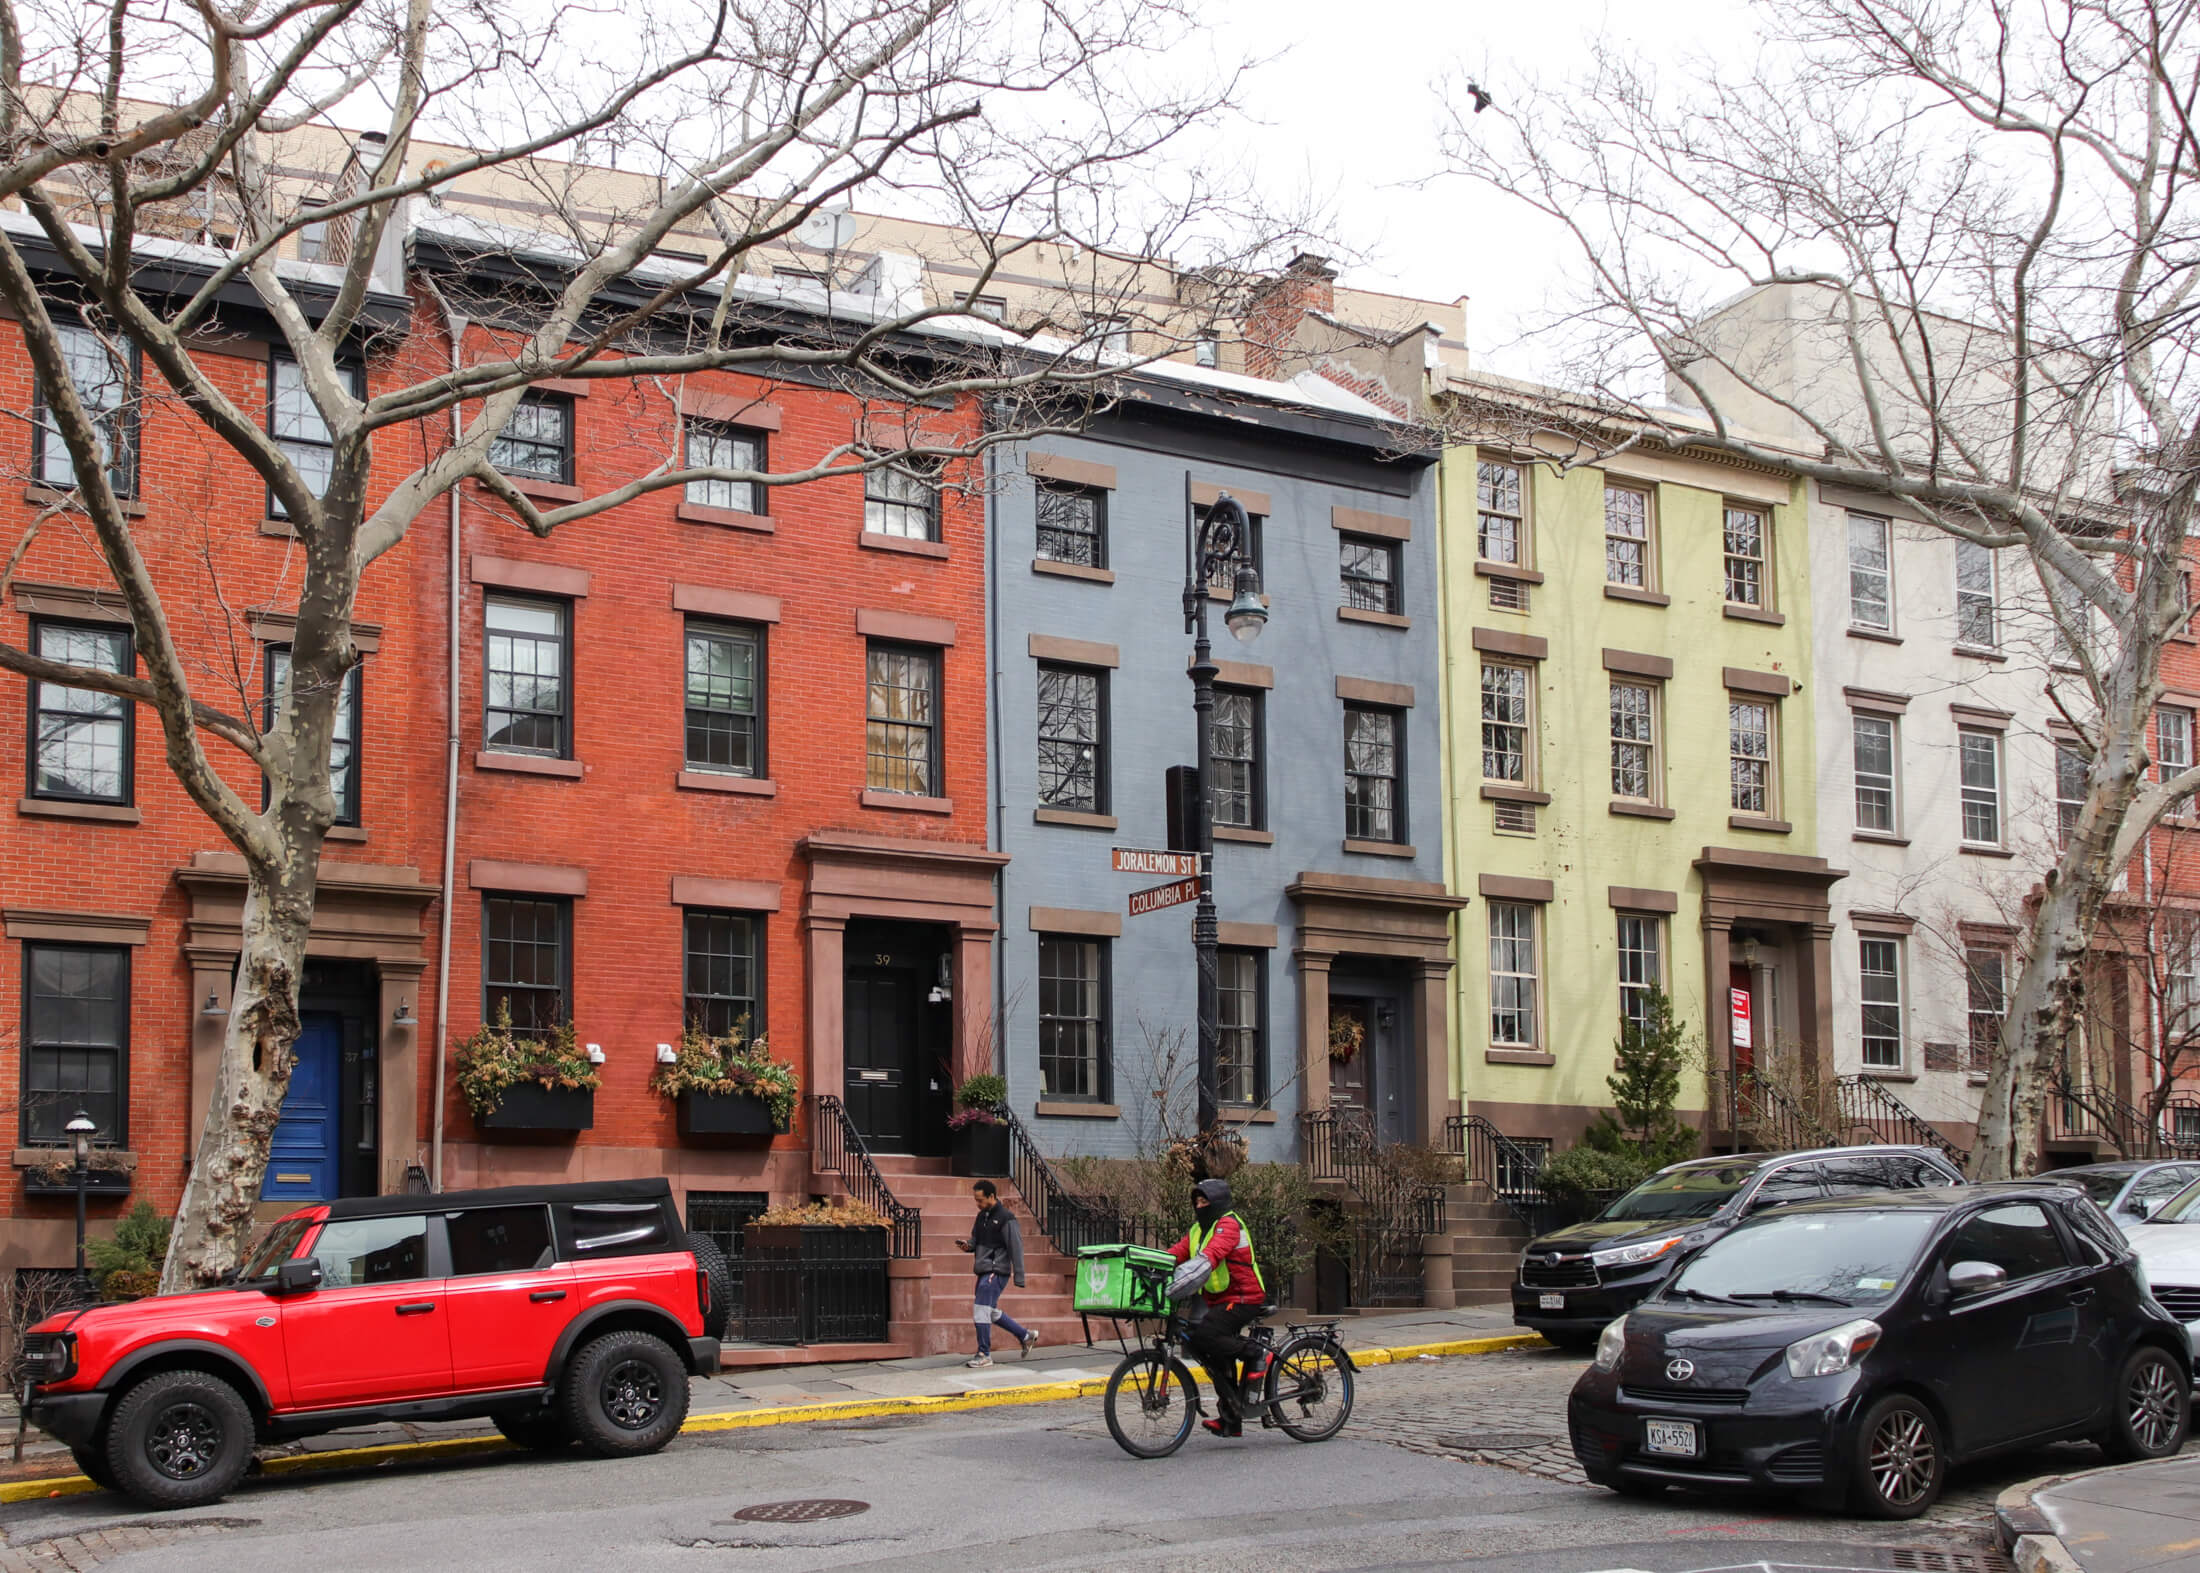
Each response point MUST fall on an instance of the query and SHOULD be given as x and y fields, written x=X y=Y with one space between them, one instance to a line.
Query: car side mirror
x=1966 y=1279
x=298 y=1277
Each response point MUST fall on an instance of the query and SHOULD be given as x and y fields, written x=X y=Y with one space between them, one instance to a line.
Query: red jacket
x=1228 y=1246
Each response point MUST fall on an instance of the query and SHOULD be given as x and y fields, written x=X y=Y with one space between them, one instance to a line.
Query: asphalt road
x=1042 y=1487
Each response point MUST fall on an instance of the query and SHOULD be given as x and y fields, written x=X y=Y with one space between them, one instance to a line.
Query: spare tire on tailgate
x=714 y=1265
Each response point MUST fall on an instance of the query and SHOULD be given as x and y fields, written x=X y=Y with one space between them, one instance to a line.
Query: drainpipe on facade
x=455 y=326
x=995 y=412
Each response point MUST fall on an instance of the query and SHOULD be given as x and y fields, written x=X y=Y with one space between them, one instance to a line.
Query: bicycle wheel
x=1150 y=1405
x=1310 y=1389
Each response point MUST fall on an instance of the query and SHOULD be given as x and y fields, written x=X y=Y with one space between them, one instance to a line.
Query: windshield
x=274 y=1250
x=2103 y=1188
x=1681 y=1193
x=1831 y=1258
x=2184 y=1207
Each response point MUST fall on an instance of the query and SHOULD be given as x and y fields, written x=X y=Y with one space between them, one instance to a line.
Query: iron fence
x=839 y=1147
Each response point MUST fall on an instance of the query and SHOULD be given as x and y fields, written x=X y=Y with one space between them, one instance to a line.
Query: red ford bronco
x=564 y=1313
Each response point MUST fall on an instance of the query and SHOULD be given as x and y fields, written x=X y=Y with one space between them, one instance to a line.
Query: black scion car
x=1853 y=1350
x=1573 y=1281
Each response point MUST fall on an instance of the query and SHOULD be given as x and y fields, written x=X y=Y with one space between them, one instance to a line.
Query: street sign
x=1738 y=1008
x=1175 y=895
x=1136 y=860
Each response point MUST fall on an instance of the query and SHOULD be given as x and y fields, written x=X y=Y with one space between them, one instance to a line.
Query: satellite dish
x=829 y=229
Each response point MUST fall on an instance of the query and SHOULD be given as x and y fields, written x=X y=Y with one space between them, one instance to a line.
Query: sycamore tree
x=156 y=169
x=1937 y=259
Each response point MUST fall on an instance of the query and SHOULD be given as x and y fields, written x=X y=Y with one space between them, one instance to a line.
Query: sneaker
x=1223 y=1428
x=1031 y=1341
x=978 y=1362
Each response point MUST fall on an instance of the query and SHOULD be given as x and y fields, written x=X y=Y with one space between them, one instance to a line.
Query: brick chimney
x=1272 y=321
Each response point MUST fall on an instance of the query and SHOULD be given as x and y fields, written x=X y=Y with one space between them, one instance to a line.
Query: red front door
x=1742 y=1006
x=375 y=1330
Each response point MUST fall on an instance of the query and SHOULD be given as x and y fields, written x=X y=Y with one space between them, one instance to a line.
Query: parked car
x=2131 y=1190
x=2168 y=1248
x=1573 y=1281
x=1854 y=1350
x=564 y=1313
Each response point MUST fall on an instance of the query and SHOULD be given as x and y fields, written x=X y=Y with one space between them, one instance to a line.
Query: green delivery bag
x=1107 y=1286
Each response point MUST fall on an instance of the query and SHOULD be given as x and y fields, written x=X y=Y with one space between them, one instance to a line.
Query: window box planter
x=814 y=1284
x=726 y=1114
x=980 y=1150
x=530 y=1106
x=99 y=1184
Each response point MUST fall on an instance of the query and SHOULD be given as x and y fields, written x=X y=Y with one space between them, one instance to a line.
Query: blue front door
x=301 y=1160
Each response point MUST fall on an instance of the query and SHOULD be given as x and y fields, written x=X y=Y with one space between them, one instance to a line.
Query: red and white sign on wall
x=1738 y=1006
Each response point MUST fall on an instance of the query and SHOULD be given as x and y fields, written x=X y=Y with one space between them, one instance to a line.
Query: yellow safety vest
x=1218 y=1281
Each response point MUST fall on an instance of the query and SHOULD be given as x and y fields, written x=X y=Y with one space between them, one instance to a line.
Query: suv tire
x=93 y=1462
x=537 y=1430
x=179 y=1439
x=715 y=1267
x=625 y=1394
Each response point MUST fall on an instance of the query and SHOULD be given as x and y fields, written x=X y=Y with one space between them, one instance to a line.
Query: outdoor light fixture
x=404 y=1016
x=213 y=1007
x=1749 y=953
x=944 y=989
x=595 y=1054
x=1246 y=616
x=665 y=1054
x=80 y=1130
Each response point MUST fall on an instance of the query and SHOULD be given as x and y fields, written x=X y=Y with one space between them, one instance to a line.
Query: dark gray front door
x=1373 y=1081
x=881 y=1052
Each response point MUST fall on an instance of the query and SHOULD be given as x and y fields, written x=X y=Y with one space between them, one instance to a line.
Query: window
x=1112 y=334
x=1872 y=739
x=1505 y=723
x=343 y=743
x=1207 y=350
x=76 y=1042
x=1241 y=797
x=1871 y=574
x=523 y=677
x=295 y=422
x=499 y=1240
x=1749 y=756
x=1512 y=975
x=1501 y=536
x=2016 y=1237
x=2073 y=772
x=107 y=386
x=605 y=1229
x=1976 y=623
x=2172 y=741
x=725 y=699
x=1981 y=761
x=313 y=238
x=713 y=445
x=537 y=442
x=1627 y=537
x=359 y=1251
x=1374 y=783
x=902 y=499
x=1241 y=1054
x=1073 y=525
x=1073 y=1024
x=724 y=973
x=1986 y=970
x=901 y=739
x=1636 y=773
x=1073 y=726
x=1745 y=557
x=81 y=739
x=993 y=308
x=1641 y=964
x=523 y=961
x=1879 y=976
x=1369 y=570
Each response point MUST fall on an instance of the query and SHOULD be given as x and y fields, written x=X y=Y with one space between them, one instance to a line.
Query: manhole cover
x=1495 y=1441
x=808 y=1510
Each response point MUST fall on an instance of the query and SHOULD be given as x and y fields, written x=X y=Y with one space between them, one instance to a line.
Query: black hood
x=1728 y=1346
x=1598 y=1235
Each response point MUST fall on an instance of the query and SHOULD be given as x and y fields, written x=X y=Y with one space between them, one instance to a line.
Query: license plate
x=1552 y=1302
x=1674 y=1437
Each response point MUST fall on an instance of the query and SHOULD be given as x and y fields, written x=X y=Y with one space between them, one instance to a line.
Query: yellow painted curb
x=783 y=1415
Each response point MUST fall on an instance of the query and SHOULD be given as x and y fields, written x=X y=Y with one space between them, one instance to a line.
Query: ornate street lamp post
x=1217 y=547
x=80 y=1129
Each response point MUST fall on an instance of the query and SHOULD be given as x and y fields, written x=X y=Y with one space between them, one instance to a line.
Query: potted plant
x=979 y=1133
x=53 y=1173
x=727 y=1084
x=515 y=1081
x=816 y=1274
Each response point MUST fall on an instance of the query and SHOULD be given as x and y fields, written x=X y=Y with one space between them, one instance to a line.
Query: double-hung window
x=1977 y=621
x=523 y=677
x=1241 y=797
x=295 y=422
x=1073 y=524
x=106 y=384
x=1980 y=757
x=1501 y=530
x=1627 y=545
x=2073 y=779
x=81 y=739
x=1986 y=970
x=725 y=698
x=902 y=499
x=1369 y=571
x=1073 y=735
x=713 y=445
x=1753 y=788
x=724 y=972
x=1514 y=975
x=1872 y=739
x=1748 y=557
x=1641 y=965
x=343 y=743
x=2172 y=741
x=1073 y=1017
x=537 y=442
x=76 y=1042
x=1241 y=1051
x=1879 y=977
x=902 y=720
x=1374 y=775
x=1871 y=574
x=1636 y=772
x=525 y=965
x=1506 y=729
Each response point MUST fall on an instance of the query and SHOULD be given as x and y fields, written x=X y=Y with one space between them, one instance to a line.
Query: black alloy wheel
x=624 y=1394
x=179 y=1439
x=2151 y=1408
x=632 y=1395
x=1900 y=1462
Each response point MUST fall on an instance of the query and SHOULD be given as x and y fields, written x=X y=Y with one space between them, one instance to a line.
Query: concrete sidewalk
x=2137 y=1518
x=770 y=1394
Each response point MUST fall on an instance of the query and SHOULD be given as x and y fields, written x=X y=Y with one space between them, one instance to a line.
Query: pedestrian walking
x=997 y=1254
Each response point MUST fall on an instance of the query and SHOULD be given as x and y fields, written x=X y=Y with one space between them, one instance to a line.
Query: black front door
x=888 y=1036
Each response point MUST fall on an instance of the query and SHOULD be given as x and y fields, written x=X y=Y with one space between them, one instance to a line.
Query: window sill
x=1885 y=1073
x=108 y=1158
x=541 y=490
x=1489 y=570
x=1355 y=614
x=1248 y=1116
x=1518 y=1057
x=908 y=803
x=61 y=808
x=1875 y=635
x=356 y=834
x=1753 y=614
x=1497 y=792
x=1770 y=827
x=1077 y=1111
x=1379 y=849
x=714 y=781
x=1879 y=838
x=280 y=529
x=1072 y=816
x=1968 y=850
x=1630 y=810
x=47 y=496
x=1627 y=592
x=1047 y=565
x=729 y=518
x=1251 y=838
x=1973 y=653
x=872 y=541
x=529 y=764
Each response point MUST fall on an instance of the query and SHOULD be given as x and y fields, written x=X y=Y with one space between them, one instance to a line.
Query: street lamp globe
x=80 y=1129
x=1246 y=616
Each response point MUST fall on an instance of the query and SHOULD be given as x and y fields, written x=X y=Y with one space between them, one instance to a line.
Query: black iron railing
x=1392 y=1209
x=1510 y=1171
x=2093 y=1113
x=1771 y=1118
x=2181 y=1124
x=838 y=1146
x=1868 y=1107
x=1070 y=1219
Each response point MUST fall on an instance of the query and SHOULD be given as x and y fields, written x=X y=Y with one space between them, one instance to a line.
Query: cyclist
x=1235 y=1294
